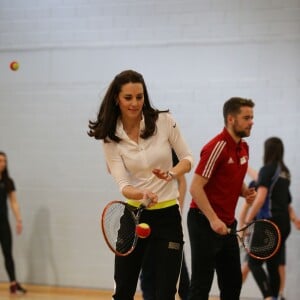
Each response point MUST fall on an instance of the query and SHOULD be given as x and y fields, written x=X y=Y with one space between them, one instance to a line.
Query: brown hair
x=104 y=126
x=233 y=106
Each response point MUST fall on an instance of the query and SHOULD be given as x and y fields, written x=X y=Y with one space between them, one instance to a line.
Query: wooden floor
x=59 y=293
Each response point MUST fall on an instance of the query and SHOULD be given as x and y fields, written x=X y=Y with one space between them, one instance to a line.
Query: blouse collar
x=120 y=132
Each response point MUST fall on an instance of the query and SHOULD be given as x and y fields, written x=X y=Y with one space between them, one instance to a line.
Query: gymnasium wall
x=194 y=55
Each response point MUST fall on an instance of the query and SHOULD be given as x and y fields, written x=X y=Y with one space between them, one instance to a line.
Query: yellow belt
x=158 y=205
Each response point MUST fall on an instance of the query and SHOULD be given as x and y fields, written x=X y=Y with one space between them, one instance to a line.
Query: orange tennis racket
x=118 y=223
x=260 y=238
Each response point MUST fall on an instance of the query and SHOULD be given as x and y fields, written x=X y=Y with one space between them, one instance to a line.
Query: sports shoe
x=16 y=288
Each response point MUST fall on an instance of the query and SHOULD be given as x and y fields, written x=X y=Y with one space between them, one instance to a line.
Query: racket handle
x=145 y=202
x=229 y=230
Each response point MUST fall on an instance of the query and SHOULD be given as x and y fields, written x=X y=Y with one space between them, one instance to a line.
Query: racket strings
x=119 y=228
x=261 y=239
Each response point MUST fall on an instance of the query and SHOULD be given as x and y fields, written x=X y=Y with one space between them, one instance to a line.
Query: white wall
x=194 y=55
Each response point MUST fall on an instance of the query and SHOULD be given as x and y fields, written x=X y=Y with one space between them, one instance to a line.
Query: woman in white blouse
x=137 y=142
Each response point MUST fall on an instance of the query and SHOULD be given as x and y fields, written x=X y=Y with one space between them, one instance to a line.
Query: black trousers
x=148 y=276
x=164 y=245
x=210 y=252
x=184 y=280
x=6 y=245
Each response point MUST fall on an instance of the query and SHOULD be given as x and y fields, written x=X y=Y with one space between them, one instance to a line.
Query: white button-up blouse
x=131 y=163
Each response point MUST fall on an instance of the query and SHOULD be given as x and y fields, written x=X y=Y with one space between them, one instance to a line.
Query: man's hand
x=219 y=227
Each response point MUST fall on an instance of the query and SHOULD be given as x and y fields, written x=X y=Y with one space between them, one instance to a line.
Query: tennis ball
x=142 y=230
x=14 y=65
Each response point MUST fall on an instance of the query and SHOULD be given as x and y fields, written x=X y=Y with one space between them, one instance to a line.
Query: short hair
x=233 y=106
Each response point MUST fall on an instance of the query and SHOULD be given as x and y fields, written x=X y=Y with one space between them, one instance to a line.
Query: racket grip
x=145 y=202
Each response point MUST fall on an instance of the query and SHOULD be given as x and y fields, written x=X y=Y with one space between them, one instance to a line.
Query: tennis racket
x=260 y=238
x=118 y=222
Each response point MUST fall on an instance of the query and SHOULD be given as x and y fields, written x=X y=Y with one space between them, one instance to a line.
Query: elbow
x=188 y=165
x=188 y=160
x=124 y=189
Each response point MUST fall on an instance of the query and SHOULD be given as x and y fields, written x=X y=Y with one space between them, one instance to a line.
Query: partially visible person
x=8 y=191
x=137 y=142
x=242 y=222
x=217 y=184
x=242 y=217
x=273 y=201
x=147 y=276
x=282 y=263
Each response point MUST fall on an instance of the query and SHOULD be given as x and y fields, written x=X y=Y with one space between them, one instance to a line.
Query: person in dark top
x=242 y=216
x=273 y=201
x=8 y=190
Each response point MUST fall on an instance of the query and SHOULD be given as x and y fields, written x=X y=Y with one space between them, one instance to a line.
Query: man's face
x=241 y=123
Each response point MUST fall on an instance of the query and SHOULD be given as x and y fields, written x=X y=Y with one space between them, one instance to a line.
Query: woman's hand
x=19 y=227
x=297 y=223
x=147 y=195
x=164 y=175
x=250 y=194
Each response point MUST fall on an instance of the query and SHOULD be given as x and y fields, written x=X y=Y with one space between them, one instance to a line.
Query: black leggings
x=268 y=280
x=6 y=245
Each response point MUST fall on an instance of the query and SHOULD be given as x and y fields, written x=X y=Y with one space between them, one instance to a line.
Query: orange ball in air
x=14 y=65
x=142 y=230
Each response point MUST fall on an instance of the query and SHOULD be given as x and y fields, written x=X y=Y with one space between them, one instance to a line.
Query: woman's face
x=131 y=100
x=2 y=163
